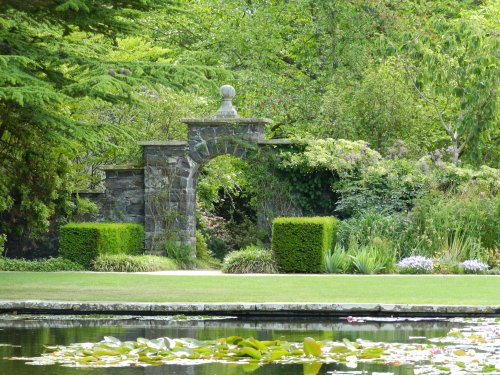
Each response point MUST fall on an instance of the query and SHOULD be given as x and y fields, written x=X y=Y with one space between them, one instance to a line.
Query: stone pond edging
x=246 y=309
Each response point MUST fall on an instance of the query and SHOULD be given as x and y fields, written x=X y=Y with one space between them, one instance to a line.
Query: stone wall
x=162 y=195
x=123 y=198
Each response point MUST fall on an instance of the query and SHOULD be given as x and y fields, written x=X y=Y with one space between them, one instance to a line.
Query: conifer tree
x=54 y=59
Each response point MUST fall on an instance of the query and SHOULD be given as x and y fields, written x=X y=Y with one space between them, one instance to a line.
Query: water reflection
x=28 y=338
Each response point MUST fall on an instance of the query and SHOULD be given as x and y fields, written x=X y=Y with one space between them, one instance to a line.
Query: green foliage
x=454 y=225
x=380 y=109
x=132 y=263
x=40 y=265
x=300 y=244
x=376 y=256
x=252 y=259
x=390 y=185
x=84 y=242
x=85 y=210
x=366 y=261
x=3 y=238
x=180 y=253
x=336 y=155
x=370 y=224
x=202 y=251
x=59 y=63
x=337 y=260
x=451 y=64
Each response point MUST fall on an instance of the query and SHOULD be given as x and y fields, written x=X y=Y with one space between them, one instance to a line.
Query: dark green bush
x=3 y=238
x=301 y=243
x=84 y=242
x=41 y=265
x=252 y=259
x=132 y=263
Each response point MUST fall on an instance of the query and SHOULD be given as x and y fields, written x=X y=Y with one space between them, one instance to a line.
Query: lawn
x=69 y=286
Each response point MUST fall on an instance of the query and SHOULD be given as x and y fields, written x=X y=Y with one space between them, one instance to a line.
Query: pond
x=475 y=342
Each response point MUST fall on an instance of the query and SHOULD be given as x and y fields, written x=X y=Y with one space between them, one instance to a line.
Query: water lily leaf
x=250 y=367
x=349 y=345
x=271 y=343
x=312 y=347
x=297 y=352
x=258 y=345
x=277 y=354
x=104 y=351
x=312 y=368
x=460 y=352
x=112 y=339
x=371 y=353
x=248 y=351
x=234 y=340
x=339 y=349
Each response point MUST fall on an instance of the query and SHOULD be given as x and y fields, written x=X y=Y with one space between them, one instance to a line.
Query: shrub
x=461 y=224
x=301 y=243
x=3 y=239
x=181 y=253
x=367 y=261
x=252 y=259
x=202 y=251
x=416 y=264
x=132 y=263
x=84 y=242
x=473 y=266
x=337 y=260
x=371 y=224
x=41 y=265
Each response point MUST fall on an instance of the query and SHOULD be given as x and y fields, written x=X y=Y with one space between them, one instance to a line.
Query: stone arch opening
x=161 y=195
x=225 y=212
x=171 y=170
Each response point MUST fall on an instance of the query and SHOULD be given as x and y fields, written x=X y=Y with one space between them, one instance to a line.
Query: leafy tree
x=380 y=109
x=54 y=60
x=451 y=64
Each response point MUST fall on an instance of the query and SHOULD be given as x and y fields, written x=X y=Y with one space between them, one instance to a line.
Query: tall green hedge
x=84 y=242
x=300 y=243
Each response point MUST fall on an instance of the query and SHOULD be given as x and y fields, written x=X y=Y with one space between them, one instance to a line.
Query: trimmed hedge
x=301 y=243
x=84 y=242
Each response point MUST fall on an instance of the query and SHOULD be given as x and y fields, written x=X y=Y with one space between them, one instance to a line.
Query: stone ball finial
x=227 y=92
x=226 y=109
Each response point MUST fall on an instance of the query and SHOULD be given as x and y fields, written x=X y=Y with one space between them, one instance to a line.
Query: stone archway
x=171 y=170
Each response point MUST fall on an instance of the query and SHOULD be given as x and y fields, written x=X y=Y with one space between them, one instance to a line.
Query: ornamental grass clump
x=133 y=263
x=252 y=259
x=473 y=266
x=415 y=265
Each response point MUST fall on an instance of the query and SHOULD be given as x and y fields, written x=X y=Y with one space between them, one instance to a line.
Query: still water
x=26 y=337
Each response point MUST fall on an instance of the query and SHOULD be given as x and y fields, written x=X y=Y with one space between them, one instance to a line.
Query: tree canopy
x=82 y=80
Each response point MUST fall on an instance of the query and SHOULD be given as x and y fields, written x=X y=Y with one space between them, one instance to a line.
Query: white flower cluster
x=416 y=264
x=473 y=266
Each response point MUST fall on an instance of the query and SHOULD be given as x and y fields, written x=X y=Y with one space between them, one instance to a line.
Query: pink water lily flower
x=434 y=351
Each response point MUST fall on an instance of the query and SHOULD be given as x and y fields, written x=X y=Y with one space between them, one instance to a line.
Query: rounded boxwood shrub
x=252 y=259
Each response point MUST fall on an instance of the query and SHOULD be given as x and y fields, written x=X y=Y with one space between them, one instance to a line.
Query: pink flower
x=351 y=319
x=434 y=351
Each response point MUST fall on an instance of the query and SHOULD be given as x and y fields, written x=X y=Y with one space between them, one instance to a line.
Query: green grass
x=70 y=286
